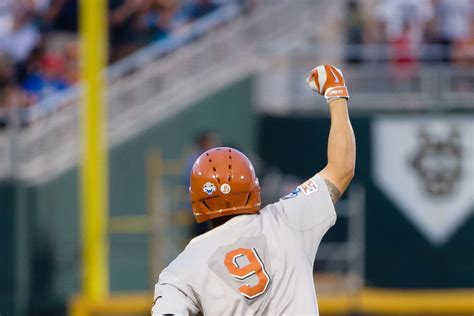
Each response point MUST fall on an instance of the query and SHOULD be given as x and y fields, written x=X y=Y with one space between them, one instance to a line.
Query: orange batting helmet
x=223 y=183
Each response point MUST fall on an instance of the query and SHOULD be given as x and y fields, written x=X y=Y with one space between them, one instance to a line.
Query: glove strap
x=336 y=92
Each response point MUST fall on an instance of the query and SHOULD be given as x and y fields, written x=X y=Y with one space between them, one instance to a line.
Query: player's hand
x=328 y=81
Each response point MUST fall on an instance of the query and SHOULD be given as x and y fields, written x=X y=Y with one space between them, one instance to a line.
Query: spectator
x=71 y=59
x=463 y=49
x=47 y=77
x=126 y=34
x=162 y=20
x=62 y=16
x=60 y=25
x=354 y=25
x=398 y=16
x=7 y=72
x=19 y=36
x=403 y=52
x=403 y=23
x=40 y=38
x=10 y=93
x=452 y=23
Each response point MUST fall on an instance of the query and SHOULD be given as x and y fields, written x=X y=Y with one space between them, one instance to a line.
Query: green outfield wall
x=7 y=248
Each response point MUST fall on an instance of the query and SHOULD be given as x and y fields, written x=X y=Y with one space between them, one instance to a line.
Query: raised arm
x=340 y=167
x=328 y=81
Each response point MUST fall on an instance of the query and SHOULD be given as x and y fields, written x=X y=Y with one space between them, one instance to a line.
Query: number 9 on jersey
x=254 y=267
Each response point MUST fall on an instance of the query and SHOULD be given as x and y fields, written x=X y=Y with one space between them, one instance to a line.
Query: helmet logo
x=225 y=188
x=209 y=188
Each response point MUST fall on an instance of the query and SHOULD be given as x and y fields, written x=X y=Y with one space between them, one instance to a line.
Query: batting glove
x=328 y=81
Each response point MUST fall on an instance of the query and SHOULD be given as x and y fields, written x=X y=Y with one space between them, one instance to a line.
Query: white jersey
x=259 y=264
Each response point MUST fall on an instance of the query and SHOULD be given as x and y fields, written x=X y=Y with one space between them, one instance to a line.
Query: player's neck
x=216 y=222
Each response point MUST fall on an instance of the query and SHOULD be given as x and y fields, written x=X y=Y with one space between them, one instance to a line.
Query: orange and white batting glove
x=329 y=82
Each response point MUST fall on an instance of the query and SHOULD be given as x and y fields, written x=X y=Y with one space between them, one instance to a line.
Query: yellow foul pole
x=94 y=190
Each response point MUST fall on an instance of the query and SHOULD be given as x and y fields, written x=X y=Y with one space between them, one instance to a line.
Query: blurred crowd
x=39 y=40
x=411 y=31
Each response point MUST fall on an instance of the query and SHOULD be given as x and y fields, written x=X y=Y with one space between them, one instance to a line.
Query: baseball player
x=259 y=261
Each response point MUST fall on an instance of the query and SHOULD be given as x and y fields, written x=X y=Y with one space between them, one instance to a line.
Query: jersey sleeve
x=309 y=212
x=170 y=300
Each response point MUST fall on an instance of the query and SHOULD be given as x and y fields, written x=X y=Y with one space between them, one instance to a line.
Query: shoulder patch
x=293 y=194
x=308 y=187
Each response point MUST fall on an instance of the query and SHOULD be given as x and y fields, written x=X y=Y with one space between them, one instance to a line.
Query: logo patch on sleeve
x=308 y=187
x=293 y=194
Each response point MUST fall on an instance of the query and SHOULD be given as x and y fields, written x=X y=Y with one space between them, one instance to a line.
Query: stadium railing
x=381 y=86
